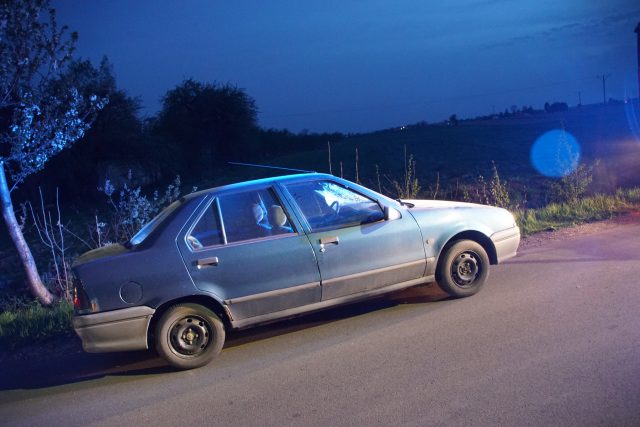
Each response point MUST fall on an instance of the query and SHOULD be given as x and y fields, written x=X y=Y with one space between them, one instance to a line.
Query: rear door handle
x=206 y=262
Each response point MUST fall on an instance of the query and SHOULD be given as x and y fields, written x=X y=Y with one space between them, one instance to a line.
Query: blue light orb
x=555 y=153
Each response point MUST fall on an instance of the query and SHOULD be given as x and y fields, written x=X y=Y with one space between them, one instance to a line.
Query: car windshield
x=153 y=224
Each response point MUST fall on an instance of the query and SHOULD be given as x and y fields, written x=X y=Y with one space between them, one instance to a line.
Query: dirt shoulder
x=541 y=238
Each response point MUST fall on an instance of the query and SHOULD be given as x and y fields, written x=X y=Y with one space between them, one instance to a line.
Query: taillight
x=80 y=298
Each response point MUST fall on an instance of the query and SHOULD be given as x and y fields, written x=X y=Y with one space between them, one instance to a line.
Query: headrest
x=258 y=213
x=278 y=218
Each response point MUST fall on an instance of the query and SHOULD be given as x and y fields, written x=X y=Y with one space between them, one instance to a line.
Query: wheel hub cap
x=189 y=336
x=465 y=269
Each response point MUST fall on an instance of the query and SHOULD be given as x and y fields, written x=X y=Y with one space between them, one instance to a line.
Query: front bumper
x=506 y=243
x=118 y=330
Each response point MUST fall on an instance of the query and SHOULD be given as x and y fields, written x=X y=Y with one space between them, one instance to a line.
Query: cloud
x=588 y=27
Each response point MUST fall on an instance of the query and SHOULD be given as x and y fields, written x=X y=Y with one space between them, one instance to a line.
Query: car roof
x=259 y=182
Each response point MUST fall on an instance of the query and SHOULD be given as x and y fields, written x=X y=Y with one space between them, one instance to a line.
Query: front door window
x=327 y=205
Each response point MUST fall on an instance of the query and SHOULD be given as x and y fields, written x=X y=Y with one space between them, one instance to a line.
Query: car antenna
x=270 y=167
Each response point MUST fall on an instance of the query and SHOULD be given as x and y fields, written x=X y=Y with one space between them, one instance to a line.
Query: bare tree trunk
x=36 y=286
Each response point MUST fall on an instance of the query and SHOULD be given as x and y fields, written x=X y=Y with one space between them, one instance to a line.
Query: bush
x=494 y=193
x=574 y=185
x=498 y=190
x=409 y=187
x=131 y=210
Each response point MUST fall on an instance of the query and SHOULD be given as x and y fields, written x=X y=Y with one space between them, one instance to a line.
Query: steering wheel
x=194 y=242
x=335 y=207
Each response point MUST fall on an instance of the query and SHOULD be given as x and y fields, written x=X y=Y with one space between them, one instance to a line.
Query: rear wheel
x=463 y=269
x=189 y=336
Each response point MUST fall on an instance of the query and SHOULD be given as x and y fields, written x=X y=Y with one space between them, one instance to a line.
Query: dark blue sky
x=352 y=66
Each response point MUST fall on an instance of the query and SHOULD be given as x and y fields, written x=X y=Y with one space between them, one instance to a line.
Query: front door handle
x=333 y=239
x=206 y=262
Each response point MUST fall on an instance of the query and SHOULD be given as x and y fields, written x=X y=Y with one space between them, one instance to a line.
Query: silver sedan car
x=250 y=253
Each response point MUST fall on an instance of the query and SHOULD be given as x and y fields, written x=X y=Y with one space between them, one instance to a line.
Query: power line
x=604 y=78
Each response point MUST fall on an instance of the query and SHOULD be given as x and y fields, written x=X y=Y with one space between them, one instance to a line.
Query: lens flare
x=555 y=153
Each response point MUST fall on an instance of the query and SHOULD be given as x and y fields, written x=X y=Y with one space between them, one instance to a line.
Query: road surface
x=553 y=339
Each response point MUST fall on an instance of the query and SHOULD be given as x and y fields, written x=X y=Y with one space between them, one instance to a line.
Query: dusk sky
x=355 y=66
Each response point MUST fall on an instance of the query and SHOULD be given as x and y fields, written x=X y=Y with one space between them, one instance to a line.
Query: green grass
x=34 y=323
x=631 y=195
x=594 y=208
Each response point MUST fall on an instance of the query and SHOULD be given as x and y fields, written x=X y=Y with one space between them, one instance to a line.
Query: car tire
x=189 y=336
x=463 y=268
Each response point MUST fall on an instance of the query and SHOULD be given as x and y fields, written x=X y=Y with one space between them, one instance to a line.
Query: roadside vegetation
x=33 y=323
x=593 y=208
x=87 y=170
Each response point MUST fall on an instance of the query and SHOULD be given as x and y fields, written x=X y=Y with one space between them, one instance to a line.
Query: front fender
x=440 y=226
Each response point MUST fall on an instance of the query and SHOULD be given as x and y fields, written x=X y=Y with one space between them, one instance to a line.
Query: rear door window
x=241 y=216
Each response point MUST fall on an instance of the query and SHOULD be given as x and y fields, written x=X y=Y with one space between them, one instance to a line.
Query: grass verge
x=34 y=323
x=594 y=208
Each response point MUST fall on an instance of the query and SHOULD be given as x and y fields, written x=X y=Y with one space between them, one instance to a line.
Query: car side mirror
x=391 y=214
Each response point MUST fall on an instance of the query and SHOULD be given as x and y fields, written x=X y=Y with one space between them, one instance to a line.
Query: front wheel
x=463 y=269
x=189 y=336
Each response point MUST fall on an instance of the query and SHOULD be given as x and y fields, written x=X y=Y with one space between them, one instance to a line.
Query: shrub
x=51 y=232
x=131 y=209
x=574 y=185
x=495 y=192
x=410 y=186
x=498 y=190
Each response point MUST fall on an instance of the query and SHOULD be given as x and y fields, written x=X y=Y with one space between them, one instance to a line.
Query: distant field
x=463 y=152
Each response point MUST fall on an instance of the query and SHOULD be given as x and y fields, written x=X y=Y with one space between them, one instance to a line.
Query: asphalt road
x=553 y=339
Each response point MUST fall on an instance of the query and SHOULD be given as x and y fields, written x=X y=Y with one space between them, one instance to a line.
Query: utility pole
x=579 y=99
x=604 y=78
x=637 y=31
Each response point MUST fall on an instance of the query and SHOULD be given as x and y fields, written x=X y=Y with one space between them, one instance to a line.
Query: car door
x=357 y=249
x=244 y=249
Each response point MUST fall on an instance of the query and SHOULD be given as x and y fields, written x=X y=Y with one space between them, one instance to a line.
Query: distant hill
x=464 y=151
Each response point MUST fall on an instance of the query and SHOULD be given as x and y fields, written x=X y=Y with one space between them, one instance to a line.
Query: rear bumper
x=506 y=243
x=117 y=330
